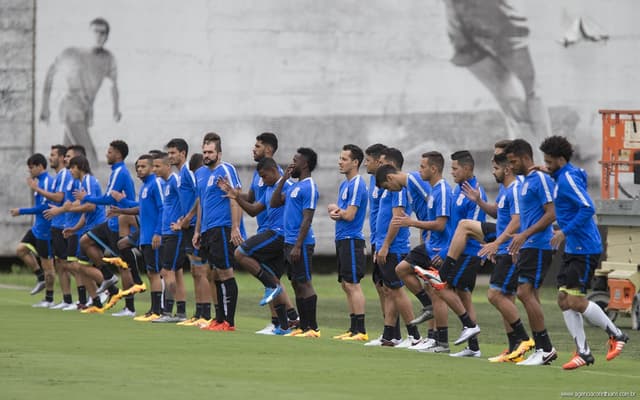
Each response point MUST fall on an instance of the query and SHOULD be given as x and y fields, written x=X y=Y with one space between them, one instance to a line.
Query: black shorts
x=376 y=273
x=73 y=248
x=351 y=260
x=504 y=277
x=300 y=271
x=462 y=275
x=41 y=248
x=187 y=240
x=488 y=231
x=267 y=248
x=577 y=270
x=533 y=265
x=217 y=249
x=105 y=238
x=389 y=277
x=151 y=258
x=419 y=256
x=172 y=256
x=59 y=244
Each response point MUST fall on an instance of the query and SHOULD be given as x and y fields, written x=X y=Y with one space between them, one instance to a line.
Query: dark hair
x=161 y=156
x=393 y=155
x=81 y=163
x=266 y=163
x=61 y=149
x=101 y=21
x=213 y=137
x=180 y=144
x=121 y=146
x=375 y=150
x=310 y=156
x=145 y=157
x=269 y=139
x=501 y=159
x=435 y=158
x=356 y=152
x=383 y=172
x=153 y=152
x=195 y=161
x=557 y=146
x=519 y=148
x=77 y=149
x=502 y=144
x=37 y=159
x=463 y=157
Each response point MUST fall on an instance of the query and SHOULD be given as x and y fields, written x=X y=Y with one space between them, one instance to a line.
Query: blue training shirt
x=374 y=205
x=439 y=205
x=389 y=201
x=508 y=206
x=575 y=210
x=41 y=226
x=187 y=190
x=119 y=180
x=216 y=207
x=275 y=215
x=303 y=195
x=150 y=203
x=464 y=208
x=258 y=187
x=91 y=219
x=171 y=207
x=71 y=218
x=536 y=191
x=352 y=192
x=418 y=191
x=61 y=181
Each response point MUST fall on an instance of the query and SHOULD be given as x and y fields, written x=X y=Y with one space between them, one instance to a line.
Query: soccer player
x=263 y=254
x=84 y=71
x=583 y=245
x=460 y=275
x=504 y=281
x=37 y=241
x=219 y=224
x=299 y=206
x=105 y=236
x=349 y=213
x=392 y=245
x=149 y=207
x=532 y=245
x=436 y=224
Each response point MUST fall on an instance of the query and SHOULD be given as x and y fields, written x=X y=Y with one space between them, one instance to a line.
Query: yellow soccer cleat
x=93 y=310
x=358 y=337
x=500 y=358
x=343 y=335
x=310 y=333
x=113 y=300
x=148 y=317
x=295 y=332
x=187 y=322
x=135 y=289
x=117 y=261
x=522 y=349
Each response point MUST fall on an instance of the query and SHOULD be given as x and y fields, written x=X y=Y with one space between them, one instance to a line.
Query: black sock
x=352 y=327
x=424 y=298
x=221 y=306
x=431 y=334
x=113 y=290
x=82 y=294
x=48 y=296
x=275 y=321
x=466 y=320
x=413 y=331
x=513 y=341
x=106 y=272
x=168 y=305
x=542 y=340
x=442 y=335
x=310 y=304
x=397 y=334
x=156 y=299
x=266 y=278
x=96 y=302
x=304 y=322
x=473 y=344
x=282 y=319
x=388 y=332
x=129 y=303
x=231 y=298
x=66 y=298
x=519 y=331
x=198 y=312
x=181 y=307
x=360 y=323
x=206 y=311
x=292 y=314
x=219 y=313
x=39 y=273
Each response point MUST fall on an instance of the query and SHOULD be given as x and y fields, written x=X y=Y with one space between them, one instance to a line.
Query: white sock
x=597 y=317
x=575 y=325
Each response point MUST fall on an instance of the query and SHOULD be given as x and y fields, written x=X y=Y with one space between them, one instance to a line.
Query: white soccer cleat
x=267 y=330
x=423 y=344
x=407 y=342
x=60 y=306
x=467 y=333
x=540 y=357
x=125 y=312
x=43 y=304
x=467 y=352
x=375 y=342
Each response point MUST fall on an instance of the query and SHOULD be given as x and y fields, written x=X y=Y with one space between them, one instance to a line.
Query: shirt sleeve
x=580 y=198
x=310 y=199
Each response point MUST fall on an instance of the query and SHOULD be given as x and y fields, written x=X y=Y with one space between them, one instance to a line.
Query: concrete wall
x=16 y=115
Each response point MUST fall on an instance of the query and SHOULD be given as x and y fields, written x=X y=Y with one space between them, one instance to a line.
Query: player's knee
x=403 y=269
x=493 y=296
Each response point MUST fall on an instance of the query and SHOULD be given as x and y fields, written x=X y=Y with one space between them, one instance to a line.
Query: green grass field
x=53 y=355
